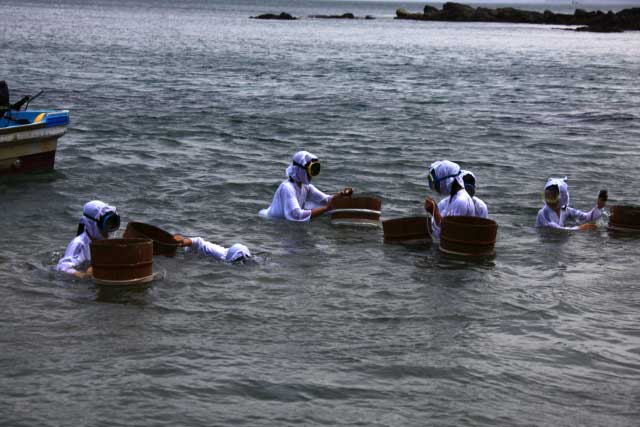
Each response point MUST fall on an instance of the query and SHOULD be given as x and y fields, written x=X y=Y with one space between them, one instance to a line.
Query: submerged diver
x=556 y=211
x=445 y=177
x=235 y=254
x=296 y=199
x=97 y=221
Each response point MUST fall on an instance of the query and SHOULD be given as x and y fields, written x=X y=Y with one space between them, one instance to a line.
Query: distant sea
x=186 y=114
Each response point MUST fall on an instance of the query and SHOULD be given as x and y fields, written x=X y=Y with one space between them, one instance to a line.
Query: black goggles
x=107 y=223
x=312 y=168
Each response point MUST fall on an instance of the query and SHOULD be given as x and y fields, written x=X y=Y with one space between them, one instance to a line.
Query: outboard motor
x=4 y=98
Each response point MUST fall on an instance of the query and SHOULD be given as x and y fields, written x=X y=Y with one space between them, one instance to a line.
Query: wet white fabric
x=460 y=204
x=290 y=200
x=218 y=252
x=297 y=173
x=447 y=168
x=480 y=207
x=547 y=217
x=77 y=257
x=237 y=251
x=481 y=210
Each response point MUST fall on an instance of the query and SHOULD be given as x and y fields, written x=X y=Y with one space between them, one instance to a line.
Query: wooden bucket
x=624 y=218
x=411 y=230
x=122 y=260
x=356 y=210
x=468 y=236
x=163 y=243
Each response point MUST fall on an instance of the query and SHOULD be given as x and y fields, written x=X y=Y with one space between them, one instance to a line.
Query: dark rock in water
x=284 y=16
x=430 y=11
x=404 y=14
x=347 y=15
x=627 y=19
x=457 y=12
x=369 y=17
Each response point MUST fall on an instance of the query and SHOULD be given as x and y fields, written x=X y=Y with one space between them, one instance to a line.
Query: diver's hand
x=588 y=226
x=430 y=205
x=84 y=274
x=346 y=192
x=603 y=195
x=182 y=241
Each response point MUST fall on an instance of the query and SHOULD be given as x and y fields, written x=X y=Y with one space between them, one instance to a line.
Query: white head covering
x=297 y=173
x=237 y=252
x=563 y=187
x=446 y=168
x=94 y=209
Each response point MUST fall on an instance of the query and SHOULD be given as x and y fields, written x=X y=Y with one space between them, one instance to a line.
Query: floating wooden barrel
x=163 y=243
x=468 y=236
x=406 y=230
x=356 y=210
x=624 y=218
x=122 y=260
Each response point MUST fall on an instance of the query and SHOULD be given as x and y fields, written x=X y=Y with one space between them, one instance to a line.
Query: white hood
x=93 y=209
x=563 y=187
x=297 y=173
x=447 y=168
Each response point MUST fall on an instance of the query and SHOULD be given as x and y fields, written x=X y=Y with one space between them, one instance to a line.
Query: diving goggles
x=312 y=167
x=551 y=200
x=107 y=223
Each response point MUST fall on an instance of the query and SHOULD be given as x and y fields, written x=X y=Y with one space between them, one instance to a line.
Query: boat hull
x=28 y=148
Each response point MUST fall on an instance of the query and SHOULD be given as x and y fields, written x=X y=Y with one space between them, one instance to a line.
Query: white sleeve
x=292 y=209
x=317 y=196
x=74 y=257
x=481 y=208
x=543 y=222
x=435 y=229
x=583 y=217
x=208 y=249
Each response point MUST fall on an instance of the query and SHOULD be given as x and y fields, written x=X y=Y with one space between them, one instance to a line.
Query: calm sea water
x=185 y=116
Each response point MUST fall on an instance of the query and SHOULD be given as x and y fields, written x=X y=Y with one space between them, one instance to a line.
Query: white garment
x=460 y=204
x=547 y=217
x=218 y=252
x=480 y=207
x=77 y=257
x=290 y=200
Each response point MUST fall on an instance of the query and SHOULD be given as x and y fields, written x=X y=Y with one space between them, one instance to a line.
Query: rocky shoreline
x=288 y=17
x=596 y=21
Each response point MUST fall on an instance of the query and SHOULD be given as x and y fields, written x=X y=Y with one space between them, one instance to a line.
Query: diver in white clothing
x=480 y=206
x=235 y=254
x=445 y=177
x=296 y=199
x=556 y=212
x=97 y=221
